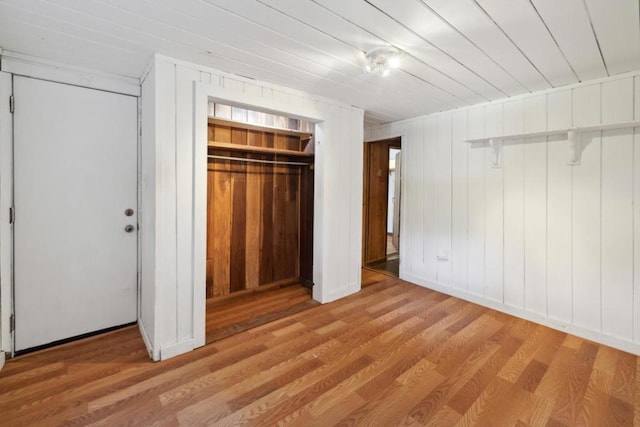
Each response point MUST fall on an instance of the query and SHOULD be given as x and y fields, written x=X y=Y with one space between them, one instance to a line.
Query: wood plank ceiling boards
x=455 y=53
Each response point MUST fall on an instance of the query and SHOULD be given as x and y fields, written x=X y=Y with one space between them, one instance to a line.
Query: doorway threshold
x=232 y=316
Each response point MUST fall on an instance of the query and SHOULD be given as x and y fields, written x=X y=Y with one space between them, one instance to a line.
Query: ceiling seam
x=595 y=36
x=454 y=28
x=411 y=55
x=439 y=50
x=554 y=40
x=514 y=43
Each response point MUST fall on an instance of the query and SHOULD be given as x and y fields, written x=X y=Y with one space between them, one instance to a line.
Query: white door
x=75 y=175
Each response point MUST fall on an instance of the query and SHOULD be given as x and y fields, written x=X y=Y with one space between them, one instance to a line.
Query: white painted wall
x=553 y=243
x=173 y=92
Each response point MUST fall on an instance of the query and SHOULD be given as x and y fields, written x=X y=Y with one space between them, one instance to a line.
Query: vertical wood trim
x=535 y=225
x=6 y=201
x=149 y=304
x=636 y=234
x=184 y=199
x=430 y=190
x=617 y=242
x=444 y=195
x=199 y=223
x=343 y=233
x=559 y=295
x=586 y=236
x=459 y=160
x=355 y=212
x=253 y=202
x=494 y=214
x=166 y=203
x=513 y=157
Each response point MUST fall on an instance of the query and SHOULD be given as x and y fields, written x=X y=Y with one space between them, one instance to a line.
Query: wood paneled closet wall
x=259 y=214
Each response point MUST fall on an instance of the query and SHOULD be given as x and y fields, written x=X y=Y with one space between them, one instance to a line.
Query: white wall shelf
x=572 y=134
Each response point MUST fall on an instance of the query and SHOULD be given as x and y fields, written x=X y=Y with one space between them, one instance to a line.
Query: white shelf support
x=573 y=135
x=575 y=147
x=496 y=152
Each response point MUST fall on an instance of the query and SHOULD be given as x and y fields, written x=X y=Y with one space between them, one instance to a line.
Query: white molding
x=199 y=231
x=261 y=83
x=582 y=129
x=6 y=201
x=29 y=66
x=153 y=353
x=341 y=293
x=523 y=314
x=572 y=135
x=177 y=349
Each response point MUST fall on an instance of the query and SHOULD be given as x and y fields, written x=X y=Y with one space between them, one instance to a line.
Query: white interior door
x=75 y=174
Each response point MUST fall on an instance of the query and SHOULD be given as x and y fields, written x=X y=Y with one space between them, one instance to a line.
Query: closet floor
x=233 y=315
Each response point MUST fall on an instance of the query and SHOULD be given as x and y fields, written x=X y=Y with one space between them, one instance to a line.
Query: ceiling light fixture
x=381 y=60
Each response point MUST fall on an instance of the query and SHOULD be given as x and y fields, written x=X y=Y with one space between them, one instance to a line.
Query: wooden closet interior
x=259 y=209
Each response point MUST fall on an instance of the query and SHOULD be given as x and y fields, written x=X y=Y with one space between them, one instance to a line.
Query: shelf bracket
x=496 y=152
x=575 y=147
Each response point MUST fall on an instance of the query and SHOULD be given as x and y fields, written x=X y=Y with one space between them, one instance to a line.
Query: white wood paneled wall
x=538 y=238
x=170 y=294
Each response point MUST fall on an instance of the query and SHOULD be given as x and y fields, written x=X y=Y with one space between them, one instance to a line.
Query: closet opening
x=260 y=178
x=381 y=207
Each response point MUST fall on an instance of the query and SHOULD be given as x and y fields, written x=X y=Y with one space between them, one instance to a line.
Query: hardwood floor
x=394 y=354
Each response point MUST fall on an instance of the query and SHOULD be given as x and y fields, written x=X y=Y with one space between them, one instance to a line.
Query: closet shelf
x=572 y=135
x=257 y=150
x=268 y=129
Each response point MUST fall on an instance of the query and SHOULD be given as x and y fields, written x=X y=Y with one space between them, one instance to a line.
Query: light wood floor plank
x=394 y=354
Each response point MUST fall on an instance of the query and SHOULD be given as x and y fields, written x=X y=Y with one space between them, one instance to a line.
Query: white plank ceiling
x=455 y=52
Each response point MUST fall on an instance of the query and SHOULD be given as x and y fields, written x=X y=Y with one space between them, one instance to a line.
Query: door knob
x=128 y=212
x=129 y=228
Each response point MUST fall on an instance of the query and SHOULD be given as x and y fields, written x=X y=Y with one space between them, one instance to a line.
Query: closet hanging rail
x=272 y=162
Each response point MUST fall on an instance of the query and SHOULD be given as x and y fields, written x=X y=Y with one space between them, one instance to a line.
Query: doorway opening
x=260 y=173
x=381 y=207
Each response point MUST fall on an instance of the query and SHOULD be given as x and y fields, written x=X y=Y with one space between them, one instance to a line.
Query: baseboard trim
x=148 y=343
x=177 y=349
x=598 y=337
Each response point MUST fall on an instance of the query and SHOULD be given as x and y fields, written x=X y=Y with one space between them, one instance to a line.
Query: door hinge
x=12 y=215
x=12 y=323
x=12 y=104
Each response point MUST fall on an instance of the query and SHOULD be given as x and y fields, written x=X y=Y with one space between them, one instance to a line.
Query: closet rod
x=272 y=162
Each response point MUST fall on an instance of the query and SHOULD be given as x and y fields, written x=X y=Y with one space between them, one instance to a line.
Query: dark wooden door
x=376 y=181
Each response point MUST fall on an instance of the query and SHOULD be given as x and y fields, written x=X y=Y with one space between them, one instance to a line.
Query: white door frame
x=202 y=94
x=38 y=71
x=6 y=201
